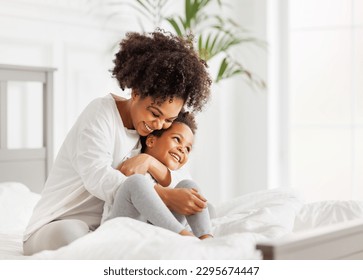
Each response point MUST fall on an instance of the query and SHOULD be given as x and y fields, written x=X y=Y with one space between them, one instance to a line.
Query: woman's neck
x=123 y=107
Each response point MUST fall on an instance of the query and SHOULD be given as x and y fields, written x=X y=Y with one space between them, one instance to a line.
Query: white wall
x=64 y=35
x=230 y=155
x=77 y=38
x=321 y=70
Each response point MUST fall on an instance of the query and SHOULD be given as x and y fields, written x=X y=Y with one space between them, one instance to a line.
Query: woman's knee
x=55 y=235
x=64 y=232
x=70 y=230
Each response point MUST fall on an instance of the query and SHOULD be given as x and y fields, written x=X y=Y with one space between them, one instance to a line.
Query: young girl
x=164 y=74
x=138 y=199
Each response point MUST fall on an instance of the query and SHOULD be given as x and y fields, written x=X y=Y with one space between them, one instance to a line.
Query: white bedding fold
x=11 y=246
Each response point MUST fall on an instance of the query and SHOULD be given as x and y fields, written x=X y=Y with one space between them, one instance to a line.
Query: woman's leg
x=55 y=235
x=137 y=196
x=199 y=222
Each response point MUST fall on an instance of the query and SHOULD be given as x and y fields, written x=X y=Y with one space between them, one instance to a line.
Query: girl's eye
x=176 y=139
x=188 y=149
x=169 y=121
x=155 y=115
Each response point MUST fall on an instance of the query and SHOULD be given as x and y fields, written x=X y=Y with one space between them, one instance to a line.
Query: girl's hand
x=139 y=164
x=182 y=201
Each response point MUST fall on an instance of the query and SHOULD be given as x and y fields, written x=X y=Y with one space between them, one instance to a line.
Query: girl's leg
x=137 y=196
x=199 y=222
x=55 y=235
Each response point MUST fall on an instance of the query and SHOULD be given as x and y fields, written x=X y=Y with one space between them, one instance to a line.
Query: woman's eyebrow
x=160 y=112
x=157 y=109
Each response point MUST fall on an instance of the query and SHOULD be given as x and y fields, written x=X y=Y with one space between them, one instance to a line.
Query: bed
x=270 y=224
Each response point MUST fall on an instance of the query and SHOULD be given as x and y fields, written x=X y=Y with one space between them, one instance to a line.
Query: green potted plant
x=215 y=36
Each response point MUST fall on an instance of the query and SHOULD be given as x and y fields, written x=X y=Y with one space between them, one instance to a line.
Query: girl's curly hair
x=162 y=66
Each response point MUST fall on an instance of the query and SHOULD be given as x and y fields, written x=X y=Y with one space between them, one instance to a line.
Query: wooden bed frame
x=31 y=167
x=28 y=166
x=343 y=241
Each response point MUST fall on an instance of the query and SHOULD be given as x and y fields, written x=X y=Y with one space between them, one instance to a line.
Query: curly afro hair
x=162 y=66
x=184 y=117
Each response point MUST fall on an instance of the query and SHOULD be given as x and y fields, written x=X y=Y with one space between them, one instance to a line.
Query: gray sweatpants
x=137 y=199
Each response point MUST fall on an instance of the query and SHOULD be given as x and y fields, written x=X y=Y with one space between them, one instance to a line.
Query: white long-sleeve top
x=83 y=176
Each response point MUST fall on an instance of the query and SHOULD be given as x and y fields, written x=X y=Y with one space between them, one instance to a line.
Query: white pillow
x=322 y=213
x=271 y=213
x=16 y=206
x=260 y=199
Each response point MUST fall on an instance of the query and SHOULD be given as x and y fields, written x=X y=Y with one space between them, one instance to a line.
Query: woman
x=164 y=74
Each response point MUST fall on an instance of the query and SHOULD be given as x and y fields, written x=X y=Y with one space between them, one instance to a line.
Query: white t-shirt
x=83 y=176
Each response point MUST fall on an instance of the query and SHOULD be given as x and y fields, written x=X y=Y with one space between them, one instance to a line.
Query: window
x=25 y=115
x=320 y=124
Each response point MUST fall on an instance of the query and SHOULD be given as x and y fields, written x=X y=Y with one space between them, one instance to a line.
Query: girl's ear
x=150 y=140
x=134 y=94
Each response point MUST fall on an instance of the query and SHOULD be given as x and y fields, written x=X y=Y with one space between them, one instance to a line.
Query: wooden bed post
x=3 y=115
x=29 y=166
x=48 y=119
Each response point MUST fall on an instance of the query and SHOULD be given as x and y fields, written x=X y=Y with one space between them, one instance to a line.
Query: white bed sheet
x=329 y=212
x=16 y=206
x=239 y=224
x=11 y=246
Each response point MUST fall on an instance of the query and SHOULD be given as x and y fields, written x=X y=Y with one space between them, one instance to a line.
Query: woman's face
x=172 y=148
x=148 y=115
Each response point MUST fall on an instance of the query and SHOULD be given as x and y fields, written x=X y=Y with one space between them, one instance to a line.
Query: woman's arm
x=144 y=163
x=89 y=148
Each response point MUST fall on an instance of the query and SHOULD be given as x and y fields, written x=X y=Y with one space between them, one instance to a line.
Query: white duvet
x=239 y=224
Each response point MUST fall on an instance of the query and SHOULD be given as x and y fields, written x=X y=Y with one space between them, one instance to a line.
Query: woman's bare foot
x=205 y=236
x=186 y=233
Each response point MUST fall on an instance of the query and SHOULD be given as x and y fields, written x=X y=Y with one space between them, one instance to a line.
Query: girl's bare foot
x=186 y=233
x=205 y=236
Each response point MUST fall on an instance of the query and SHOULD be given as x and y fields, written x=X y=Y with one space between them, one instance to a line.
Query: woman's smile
x=148 y=127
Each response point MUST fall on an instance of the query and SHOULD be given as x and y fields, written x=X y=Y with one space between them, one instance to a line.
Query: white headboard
x=29 y=166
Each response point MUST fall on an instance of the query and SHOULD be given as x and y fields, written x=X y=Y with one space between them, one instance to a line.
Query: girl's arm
x=144 y=163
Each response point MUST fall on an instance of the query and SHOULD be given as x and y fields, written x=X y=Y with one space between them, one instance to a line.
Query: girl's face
x=172 y=148
x=148 y=115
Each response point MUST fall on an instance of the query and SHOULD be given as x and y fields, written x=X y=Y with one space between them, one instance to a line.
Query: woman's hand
x=182 y=201
x=139 y=164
